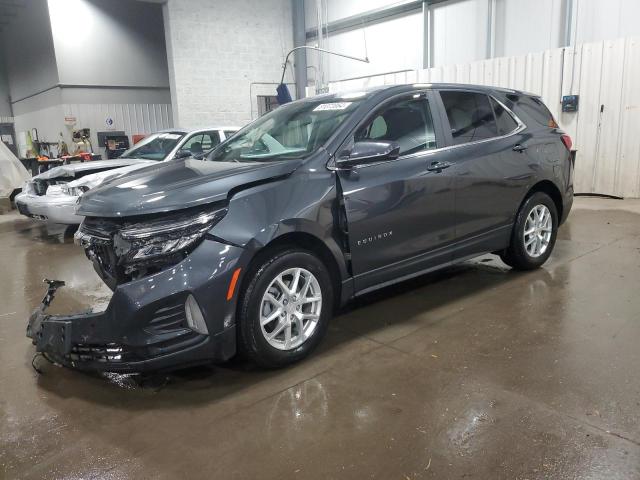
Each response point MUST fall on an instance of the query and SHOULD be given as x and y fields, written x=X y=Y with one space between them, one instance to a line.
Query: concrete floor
x=474 y=372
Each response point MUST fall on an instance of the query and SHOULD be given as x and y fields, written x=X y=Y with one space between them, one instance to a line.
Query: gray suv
x=317 y=202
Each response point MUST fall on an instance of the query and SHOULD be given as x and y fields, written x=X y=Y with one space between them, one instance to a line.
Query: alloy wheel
x=290 y=308
x=537 y=231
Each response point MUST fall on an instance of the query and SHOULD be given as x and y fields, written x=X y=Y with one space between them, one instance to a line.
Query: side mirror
x=368 y=152
x=181 y=154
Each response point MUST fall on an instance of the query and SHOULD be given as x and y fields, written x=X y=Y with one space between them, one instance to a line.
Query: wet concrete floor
x=473 y=372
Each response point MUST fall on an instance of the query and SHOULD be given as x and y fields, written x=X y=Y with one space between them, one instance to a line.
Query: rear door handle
x=519 y=148
x=438 y=166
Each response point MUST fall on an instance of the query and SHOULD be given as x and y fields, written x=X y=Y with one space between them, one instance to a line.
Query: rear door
x=400 y=212
x=491 y=170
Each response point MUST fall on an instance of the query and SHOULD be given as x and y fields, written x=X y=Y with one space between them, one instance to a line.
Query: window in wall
x=470 y=116
x=407 y=122
x=506 y=123
x=266 y=103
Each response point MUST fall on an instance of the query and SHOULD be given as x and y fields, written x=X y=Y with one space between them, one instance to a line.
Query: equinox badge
x=374 y=238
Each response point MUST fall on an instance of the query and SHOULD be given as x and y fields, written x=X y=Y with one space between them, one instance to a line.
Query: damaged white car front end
x=53 y=198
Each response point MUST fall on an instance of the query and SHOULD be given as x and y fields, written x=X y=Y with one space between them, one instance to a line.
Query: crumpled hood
x=95 y=179
x=176 y=185
x=72 y=169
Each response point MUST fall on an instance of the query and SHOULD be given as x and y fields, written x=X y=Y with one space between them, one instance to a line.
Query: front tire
x=534 y=233
x=285 y=309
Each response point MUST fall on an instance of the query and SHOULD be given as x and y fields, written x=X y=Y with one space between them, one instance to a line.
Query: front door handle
x=519 y=148
x=438 y=166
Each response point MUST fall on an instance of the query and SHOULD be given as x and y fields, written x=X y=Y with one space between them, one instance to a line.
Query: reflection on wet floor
x=475 y=371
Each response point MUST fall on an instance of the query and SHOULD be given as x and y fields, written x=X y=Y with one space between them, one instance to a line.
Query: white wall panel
x=611 y=85
x=460 y=31
x=606 y=19
x=527 y=26
x=386 y=46
x=605 y=130
x=629 y=139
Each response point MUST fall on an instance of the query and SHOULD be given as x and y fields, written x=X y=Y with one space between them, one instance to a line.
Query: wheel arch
x=548 y=187
x=305 y=241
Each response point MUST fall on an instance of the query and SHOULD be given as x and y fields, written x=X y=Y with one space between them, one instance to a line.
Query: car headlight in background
x=74 y=191
x=163 y=237
x=28 y=187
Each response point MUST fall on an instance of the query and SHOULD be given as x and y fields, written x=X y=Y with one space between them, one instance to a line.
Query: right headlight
x=163 y=237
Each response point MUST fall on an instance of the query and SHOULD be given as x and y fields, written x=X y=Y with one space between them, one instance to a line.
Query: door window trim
x=441 y=136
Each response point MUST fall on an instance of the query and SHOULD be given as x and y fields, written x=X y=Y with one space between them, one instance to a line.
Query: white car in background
x=52 y=196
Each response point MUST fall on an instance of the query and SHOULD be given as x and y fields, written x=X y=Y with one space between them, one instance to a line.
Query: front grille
x=111 y=353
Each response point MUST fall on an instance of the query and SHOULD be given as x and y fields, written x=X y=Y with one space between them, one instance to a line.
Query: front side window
x=154 y=147
x=407 y=122
x=470 y=116
x=292 y=131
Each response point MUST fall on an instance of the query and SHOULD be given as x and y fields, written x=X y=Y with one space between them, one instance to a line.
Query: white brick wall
x=216 y=49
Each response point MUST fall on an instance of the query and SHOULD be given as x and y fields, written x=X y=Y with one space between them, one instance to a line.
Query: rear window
x=534 y=108
x=506 y=123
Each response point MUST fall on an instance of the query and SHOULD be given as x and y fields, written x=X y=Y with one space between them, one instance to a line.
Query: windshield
x=154 y=147
x=289 y=132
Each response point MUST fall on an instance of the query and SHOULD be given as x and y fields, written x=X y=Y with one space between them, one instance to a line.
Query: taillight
x=566 y=139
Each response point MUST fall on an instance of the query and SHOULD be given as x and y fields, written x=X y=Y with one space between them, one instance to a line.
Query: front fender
x=305 y=202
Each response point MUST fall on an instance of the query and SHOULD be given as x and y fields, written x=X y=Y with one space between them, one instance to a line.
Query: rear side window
x=470 y=116
x=504 y=120
x=407 y=122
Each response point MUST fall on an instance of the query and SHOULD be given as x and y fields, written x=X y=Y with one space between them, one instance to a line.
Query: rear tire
x=281 y=320
x=534 y=233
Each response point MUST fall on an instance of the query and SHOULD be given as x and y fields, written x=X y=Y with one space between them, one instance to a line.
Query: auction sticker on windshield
x=332 y=106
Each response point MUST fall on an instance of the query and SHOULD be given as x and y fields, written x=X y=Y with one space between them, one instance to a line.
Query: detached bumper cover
x=54 y=208
x=144 y=326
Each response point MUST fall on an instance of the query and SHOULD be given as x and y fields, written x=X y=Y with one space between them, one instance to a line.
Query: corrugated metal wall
x=606 y=128
x=131 y=118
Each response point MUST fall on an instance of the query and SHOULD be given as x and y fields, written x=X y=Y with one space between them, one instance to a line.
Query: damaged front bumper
x=174 y=318
x=52 y=208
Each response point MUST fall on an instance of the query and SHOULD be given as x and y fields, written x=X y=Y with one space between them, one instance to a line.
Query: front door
x=400 y=212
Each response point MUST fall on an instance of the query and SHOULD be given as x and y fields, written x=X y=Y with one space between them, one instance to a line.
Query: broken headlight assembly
x=163 y=237
x=74 y=191
x=125 y=250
